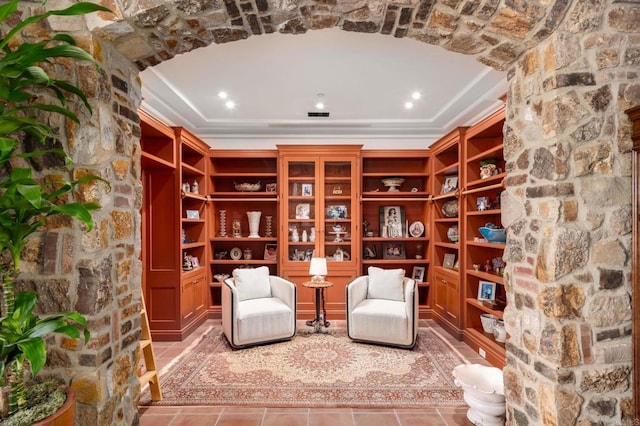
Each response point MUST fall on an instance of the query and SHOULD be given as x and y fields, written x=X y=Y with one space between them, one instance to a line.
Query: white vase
x=254 y=224
x=312 y=235
x=483 y=392
x=304 y=236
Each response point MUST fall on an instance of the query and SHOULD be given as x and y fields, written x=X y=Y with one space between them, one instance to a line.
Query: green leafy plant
x=26 y=201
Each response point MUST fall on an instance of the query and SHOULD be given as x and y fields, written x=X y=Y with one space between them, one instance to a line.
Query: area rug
x=313 y=370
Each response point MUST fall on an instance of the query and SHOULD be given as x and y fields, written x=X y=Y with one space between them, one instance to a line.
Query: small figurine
x=365 y=227
x=186 y=264
x=487 y=267
x=194 y=187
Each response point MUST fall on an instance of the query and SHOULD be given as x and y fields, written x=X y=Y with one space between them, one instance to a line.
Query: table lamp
x=318 y=269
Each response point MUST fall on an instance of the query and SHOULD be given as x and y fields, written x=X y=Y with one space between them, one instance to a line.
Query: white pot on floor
x=483 y=392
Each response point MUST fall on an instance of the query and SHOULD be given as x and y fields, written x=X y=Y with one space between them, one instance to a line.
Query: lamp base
x=317 y=279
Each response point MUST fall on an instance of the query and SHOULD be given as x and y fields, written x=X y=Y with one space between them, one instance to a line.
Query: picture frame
x=449 y=260
x=393 y=250
x=271 y=187
x=195 y=263
x=302 y=211
x=486 y=291
x=270 y=252
x=193 y=214
x=450 y=184
x=337 y=212
x=418 y=273
x=392 y=222
x=307 y=189
x=369 y=252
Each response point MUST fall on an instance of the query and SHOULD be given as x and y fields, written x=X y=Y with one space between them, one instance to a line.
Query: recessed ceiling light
x=408 y=105
x=222 y=94
x=230 y=105
x=320 y=101
x=416 y=95
x=319 y=105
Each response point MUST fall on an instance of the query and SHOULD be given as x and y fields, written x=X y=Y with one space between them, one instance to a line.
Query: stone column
x=567 y=208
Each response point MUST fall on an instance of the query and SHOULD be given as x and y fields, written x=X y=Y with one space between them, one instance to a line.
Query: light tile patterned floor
x=241 y=416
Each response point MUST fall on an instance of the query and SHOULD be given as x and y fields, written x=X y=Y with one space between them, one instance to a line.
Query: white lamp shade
x=318 y=266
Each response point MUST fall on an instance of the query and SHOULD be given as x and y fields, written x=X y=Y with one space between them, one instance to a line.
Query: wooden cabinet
x=482 y=261
x=173 y=229
x=241 y=182
x=410 y=201
x=319 y=218
x=446 y=225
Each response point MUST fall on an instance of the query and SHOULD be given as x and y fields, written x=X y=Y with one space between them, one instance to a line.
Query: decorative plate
x=450 y=208
x=236 y=253
x=416 y=229
x=248 y=187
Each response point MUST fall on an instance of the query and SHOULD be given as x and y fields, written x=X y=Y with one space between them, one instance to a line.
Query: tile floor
x=244 y=416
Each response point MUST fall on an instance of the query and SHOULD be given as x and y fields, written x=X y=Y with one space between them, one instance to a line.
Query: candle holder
x=267 y=230
x=223 y=223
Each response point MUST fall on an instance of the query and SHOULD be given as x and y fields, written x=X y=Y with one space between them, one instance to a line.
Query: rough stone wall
x=568 y=211
x=567 y=203
x=96 y=273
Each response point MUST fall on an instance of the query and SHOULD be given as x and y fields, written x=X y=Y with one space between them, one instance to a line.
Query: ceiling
x=366 y=79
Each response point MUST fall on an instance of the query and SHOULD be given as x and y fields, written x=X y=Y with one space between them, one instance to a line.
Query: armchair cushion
x=252 y=283
x=386 y=284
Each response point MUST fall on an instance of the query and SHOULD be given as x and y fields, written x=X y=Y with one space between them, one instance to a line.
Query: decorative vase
x=305 y=237
x=254 y=224
x=483 y=392
x=312 y=235
x=452 y=234
x=295 y=237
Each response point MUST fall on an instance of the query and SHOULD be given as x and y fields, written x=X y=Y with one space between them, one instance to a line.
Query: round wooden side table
x=320 y=320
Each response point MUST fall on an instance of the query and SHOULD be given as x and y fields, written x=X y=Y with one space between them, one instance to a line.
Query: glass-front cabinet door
x=320 y=208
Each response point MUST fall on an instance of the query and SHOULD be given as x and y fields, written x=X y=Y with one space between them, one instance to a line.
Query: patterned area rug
x=313 y=370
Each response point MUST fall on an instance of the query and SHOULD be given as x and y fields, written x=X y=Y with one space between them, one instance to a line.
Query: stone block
x=610 y=279
x=594 y=158
x=605 y=379
x=614 y=353
x=513 y=386
x=561 y=251
x=88 y=389
x=562 y=301
x=122 y=223
x=609 y=310
x=609 y=252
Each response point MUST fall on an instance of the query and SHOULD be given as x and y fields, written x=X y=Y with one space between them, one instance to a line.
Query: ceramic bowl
x=248 y=187
x=494 y=235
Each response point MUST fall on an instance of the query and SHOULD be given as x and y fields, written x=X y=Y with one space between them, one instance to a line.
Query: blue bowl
x=492 y=235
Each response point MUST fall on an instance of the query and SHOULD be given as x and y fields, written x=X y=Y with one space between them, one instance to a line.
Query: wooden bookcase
x=412 y=199
x=446 y=179
x=175 y=293
x=319 y=187
x=481 y=205
x=239 y=182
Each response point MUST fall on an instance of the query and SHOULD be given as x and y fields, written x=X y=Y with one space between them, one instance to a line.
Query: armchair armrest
x=356 y=291
x=284 y=290
x=230 y=297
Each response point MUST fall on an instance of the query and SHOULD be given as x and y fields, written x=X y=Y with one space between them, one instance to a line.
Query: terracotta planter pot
x=65 y=415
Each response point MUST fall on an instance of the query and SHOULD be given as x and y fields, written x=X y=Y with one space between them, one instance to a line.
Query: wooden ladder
x=150 y=376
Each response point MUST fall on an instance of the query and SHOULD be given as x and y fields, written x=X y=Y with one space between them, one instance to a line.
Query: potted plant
x=26 y=201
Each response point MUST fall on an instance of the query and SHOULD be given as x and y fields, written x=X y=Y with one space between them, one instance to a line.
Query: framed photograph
x=193 y=214
x=393 y=250
x=450 y=184
x=271 y=187
x=449 y=260
x=195 y=263
x=418 y=273
x=270 y=252
x=416 y=229
x=302 y=211
x=337 y=212
x=486 y=290
x=307 y=189
x=392 y=222
x=369 y=252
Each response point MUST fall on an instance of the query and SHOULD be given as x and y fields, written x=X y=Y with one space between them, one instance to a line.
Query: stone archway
x=573 y=70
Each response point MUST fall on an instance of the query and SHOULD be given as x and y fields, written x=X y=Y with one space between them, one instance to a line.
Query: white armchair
x=257 y=308
x=382 y=307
